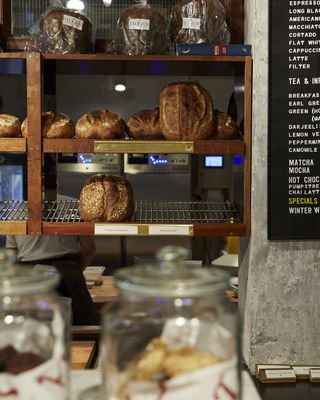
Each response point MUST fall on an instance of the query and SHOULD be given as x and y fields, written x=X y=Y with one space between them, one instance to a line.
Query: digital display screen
x=213 y=161
x=137 y=158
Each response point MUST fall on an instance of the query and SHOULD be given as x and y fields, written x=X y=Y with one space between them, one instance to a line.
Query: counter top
x=82 y=380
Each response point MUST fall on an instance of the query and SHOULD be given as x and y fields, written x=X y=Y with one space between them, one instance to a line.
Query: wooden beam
x=34 y=96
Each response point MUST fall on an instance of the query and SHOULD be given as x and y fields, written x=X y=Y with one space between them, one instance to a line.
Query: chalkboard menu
x=294 y=120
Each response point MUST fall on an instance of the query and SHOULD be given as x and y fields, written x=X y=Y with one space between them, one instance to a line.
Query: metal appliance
x=157 y=177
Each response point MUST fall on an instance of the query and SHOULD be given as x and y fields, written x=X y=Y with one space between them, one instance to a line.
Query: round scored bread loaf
x=101 y=124
x=106 y=198
x=64 y=31
x=53 y=126
x=186 y=112
x=226 y=127
x=199 y=21
x=141 y=30
x=145 y=125
x=10 y=126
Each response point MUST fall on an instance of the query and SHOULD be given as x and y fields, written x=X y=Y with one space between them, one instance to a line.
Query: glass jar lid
x=24 y=281
x=170 y=277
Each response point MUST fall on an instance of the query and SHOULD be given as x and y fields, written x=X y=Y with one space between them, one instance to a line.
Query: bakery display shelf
x=15 y=145
x=105 y=64
x=151 y=218
x=13 y=217
x=115 y=57
x=144 y=146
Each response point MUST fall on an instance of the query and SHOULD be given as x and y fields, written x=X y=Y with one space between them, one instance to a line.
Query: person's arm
x=87 y=250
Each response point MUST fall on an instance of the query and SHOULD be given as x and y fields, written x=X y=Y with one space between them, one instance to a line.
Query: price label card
x=169 y=230
x=191 y=23
x=139 y=24
x=73 y=22
x=259 y=367
x=280 y=374
x=302 y=371
x=115 y=229
x=314 y=374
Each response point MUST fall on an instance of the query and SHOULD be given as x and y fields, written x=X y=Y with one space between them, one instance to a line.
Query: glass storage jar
x=172 y=335
x=34 y=334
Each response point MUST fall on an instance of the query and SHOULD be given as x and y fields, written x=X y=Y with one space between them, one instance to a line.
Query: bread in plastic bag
x=60 y=31
x=199 y=21
x=141 y=30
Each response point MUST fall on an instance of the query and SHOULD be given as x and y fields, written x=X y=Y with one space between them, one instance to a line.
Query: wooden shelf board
x=88 y=228
x=15 y=145
x=68 y=145
x=13 y=228
x=16 y=55
x=113 y=57
x=160 y=146
x=68 y=228
x=219 y=229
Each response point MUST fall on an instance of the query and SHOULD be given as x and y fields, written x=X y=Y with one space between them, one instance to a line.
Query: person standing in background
x=70 y=255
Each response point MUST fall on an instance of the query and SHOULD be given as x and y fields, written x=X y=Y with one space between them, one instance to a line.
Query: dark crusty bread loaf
x=150 y=38
x=65 y=31
x=186 y=112
x=53 y=126
x=106 y=198
x=10 y=126
x=226 y=127
x=101 y=124
x=199 y=21
x=145 y=125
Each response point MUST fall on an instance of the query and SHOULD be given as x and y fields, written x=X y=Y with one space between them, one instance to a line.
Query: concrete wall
x=279 y=281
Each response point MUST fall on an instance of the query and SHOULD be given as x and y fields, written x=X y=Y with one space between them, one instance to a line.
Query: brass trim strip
x=13 y=228
x=143 y=146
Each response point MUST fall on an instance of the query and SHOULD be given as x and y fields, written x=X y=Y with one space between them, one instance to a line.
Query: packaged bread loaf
x=100 y=124
x=186 y=112
x=145 y=125
x=10 y=126
x=199 y=21
x=106 y=198
x=141 y=30
x=54 y=125
x=62 y=31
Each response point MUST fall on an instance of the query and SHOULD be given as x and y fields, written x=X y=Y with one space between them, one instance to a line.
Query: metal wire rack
x=182 y=212
x=13 y=210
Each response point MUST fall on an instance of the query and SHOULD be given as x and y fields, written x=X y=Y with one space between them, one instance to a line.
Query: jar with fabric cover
x=173 y=334
x=34 y=334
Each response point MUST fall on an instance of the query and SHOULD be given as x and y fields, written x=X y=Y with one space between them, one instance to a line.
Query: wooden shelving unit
x=37 y=66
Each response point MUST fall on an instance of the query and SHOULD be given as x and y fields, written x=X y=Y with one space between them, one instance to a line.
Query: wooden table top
x=105 y=292
x=82 y=353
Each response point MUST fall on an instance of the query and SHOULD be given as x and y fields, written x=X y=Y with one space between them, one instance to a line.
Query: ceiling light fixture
x=107 y=3
x=120 y=87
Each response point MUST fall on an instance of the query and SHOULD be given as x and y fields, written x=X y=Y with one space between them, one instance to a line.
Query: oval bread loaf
x=101 y=124
x=53 y=126
x=106 y=198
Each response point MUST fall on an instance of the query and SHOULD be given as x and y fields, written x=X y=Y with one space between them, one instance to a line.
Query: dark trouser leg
x=73 y=285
